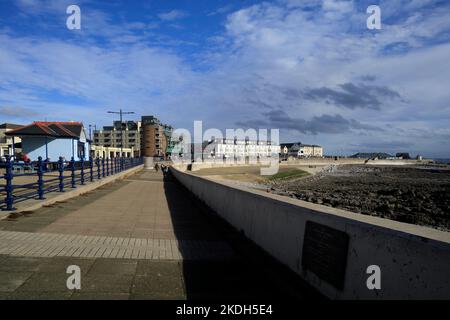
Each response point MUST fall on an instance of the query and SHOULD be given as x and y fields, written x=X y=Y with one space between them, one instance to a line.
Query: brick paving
x=28 y=244
x=140 y=238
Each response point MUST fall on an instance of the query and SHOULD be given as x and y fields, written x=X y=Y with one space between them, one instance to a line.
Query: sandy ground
x=251 y=174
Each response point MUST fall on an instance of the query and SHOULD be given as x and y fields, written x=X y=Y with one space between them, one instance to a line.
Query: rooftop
x=51 y=129
x=11 y=126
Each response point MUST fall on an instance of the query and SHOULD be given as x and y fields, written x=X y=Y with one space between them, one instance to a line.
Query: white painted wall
x=414 y=260
x=35 y=147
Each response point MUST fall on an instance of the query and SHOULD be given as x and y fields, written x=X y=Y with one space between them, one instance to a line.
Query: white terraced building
x=239 y=149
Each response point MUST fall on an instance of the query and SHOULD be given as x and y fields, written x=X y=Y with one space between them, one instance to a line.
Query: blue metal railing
x=23 y=181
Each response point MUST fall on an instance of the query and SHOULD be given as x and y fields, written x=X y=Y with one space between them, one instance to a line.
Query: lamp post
x=121 y=113
x=90 y=130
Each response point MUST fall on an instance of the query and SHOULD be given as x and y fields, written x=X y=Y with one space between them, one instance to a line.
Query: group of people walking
x=163 y=167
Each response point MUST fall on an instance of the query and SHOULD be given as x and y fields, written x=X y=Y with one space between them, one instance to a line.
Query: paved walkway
x=28 y=244
x=140 y=238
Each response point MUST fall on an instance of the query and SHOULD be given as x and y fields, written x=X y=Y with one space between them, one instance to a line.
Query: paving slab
x=139 y=238
x=12 y=280
x=113 y=267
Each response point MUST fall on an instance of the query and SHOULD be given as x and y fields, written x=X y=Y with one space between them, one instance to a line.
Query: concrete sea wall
x=207 y=164
x=333 y=249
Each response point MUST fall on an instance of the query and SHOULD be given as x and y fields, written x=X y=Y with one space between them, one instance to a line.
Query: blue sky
x=308 y=67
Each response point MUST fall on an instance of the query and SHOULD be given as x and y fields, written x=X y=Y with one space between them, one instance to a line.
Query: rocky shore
x=417 y=195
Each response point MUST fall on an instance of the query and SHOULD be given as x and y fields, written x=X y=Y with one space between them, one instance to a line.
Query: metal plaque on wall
x=325 y=253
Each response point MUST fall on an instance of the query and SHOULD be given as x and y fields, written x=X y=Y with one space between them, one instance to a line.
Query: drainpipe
x=46 y=148
x=13 y=149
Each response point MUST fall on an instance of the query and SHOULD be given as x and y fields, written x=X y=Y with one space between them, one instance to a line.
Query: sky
x=310 y=68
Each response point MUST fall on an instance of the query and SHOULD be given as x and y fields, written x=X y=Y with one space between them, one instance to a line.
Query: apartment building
x=6 y=143
x=156 y=138
x=299 y=150
x=310 y=150
x=111 y=136
x=147 y=137
x=239 y=150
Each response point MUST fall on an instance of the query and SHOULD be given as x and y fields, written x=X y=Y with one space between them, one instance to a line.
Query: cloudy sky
x=308 y=67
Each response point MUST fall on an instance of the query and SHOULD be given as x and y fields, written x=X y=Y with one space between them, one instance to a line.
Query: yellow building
x=299 y=150
x=308 y=150
x=111 y=152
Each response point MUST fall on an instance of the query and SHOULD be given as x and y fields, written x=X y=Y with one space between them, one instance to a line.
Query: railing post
x=72 y=169
x=9 y=199
x=97 y=162
x=91 y=169
x=82 y=172
x=107 y=166
x=61 y=174
x=114 y=166
x=40 y=173
x=121 y=163
x=103 y=167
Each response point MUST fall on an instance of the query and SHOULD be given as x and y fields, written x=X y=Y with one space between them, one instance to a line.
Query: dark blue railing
x=54 y=176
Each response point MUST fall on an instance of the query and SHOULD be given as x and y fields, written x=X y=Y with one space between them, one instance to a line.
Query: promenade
x=143 y=237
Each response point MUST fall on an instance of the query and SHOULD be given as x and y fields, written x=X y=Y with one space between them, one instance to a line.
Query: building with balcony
x=239 y=150
x=126 y=135
x=300 y=150
x=6 y=142
x=147 y=137
x=156 y=138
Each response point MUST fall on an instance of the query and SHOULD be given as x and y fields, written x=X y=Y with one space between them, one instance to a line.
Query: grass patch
x=289 y=174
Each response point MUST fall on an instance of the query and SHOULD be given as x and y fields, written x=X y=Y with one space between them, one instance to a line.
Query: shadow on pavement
x=248 y=274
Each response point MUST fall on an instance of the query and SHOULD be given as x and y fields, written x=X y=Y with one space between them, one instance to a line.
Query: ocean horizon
x=441 y=160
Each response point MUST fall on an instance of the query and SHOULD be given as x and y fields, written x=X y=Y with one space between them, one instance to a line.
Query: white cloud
x=268 y=55
x=33 y=7
x=172 y=15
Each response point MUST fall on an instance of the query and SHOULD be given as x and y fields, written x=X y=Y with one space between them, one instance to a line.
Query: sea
x=445 y=161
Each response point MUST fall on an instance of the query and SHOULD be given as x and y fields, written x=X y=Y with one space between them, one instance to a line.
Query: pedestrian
x=26 y=159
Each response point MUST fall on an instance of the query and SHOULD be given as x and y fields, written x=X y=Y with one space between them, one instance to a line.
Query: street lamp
x=90 y=130
x=121 y=113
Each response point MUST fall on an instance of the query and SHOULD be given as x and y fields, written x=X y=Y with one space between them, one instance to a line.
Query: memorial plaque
x=325 y=253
